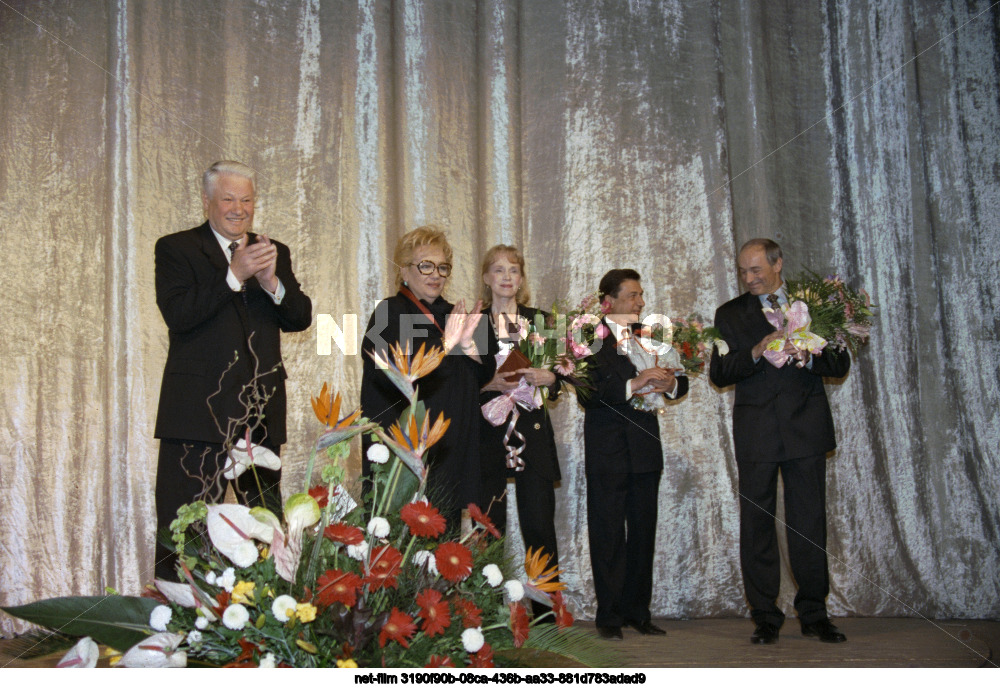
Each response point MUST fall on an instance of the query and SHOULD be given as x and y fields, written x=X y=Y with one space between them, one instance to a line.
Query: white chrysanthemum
x=283 y=607
x=472 y=639
x=210 y=577
x=193 y=637
x=235 y=617
x=494 y=576
x=358 y=552
x=423 y=556
x=227 y=580
x=378 y=453
x=160 y=617
x=379 y=527
x=514 y=590
x=201 y=623
x=267 y=661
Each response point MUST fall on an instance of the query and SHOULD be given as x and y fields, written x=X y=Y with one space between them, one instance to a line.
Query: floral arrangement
x=331 y=583
x=840 y=315
x=820 y=312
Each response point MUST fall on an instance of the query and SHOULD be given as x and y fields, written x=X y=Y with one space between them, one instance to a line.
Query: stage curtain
x=864 y=136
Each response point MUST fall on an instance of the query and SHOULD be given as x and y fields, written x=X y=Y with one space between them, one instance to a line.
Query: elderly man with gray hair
x=225 y=294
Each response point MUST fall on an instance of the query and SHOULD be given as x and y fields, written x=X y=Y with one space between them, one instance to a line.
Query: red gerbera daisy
x=398 y=627
x=477 y=515
x=337 y=586
x=437 y=661
x=483 y=658
x=384 y=567
x=454 y=561
x=563 y=618
x=422 y=519
x=519 y=624
x=472 y=616
x=341 y=532
x=319 y=493
x=434 y=612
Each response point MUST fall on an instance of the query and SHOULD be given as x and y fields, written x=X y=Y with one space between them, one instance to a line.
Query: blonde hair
x=428 y=235
x=514 y=255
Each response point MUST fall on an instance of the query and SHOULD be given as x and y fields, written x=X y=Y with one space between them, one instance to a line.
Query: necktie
x=232 y=250
x=773 y=300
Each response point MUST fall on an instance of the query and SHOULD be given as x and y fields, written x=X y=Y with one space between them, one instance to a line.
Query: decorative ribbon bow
x=497 y=410
x=794 y=322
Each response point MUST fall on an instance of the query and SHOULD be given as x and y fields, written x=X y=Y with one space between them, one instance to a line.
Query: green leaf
x=117 y=621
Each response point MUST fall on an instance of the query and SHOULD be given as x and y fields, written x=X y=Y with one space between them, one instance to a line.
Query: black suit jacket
x=210 y=327
x=775 y=408
x=617 y=437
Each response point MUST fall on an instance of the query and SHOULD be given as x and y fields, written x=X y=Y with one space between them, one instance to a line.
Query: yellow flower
x=243 y=592
x=346 y=664
x=305 y=612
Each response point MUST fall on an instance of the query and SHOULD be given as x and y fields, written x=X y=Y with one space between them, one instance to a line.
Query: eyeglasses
x=427 y=267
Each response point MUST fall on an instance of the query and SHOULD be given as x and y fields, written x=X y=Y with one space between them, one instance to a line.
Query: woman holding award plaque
x=516 y=432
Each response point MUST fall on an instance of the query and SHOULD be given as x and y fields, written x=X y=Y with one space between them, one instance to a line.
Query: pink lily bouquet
x=821 y=312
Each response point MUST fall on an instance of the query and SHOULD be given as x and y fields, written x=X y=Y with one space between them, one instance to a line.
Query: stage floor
x=726 y=643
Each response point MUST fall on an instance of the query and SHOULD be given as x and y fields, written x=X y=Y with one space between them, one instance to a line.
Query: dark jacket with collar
x=218 y=341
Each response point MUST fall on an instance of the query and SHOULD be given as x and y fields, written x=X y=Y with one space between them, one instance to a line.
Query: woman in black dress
x=535 y=469
x=417 y=315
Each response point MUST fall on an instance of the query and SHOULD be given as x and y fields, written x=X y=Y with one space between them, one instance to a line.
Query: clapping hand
x=460 y=328
x=257 y=259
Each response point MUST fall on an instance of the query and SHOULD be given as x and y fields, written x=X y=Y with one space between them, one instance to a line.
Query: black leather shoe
x=646 y=627
x=764 y=634
x=610 y=632
x=824 y=630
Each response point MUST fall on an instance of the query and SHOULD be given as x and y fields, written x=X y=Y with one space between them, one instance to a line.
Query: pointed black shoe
x=646 y=627
x=824 y=630
x=764 y=634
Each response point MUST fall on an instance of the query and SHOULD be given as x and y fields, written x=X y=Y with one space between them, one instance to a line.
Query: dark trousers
x=805 y=526
x=621 y=523
x=536 y=512
x=188 y=471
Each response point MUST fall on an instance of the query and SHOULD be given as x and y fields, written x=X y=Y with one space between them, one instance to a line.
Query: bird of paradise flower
x=327 y=409
x=411 y=444
x=541 y=580
x=403 y=370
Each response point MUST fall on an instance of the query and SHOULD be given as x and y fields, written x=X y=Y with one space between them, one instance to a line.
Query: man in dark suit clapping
x=781 y=423
x=226 y=295
x=624 y=460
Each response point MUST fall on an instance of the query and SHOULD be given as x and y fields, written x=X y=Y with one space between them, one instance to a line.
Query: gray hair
x=222 y=167
x=771 y=249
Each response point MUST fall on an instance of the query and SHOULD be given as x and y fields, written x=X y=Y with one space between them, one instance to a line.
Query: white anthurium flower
x=158 y=651
x=235 y=617
x=233 y=530
x=378 y=453
x=187 y=595
x=379 y=527
x=301 y=511
x=83 y=655
x=283 y=607
x=160 y=617
x=239 y=459
x=472 y=639
x=514 y=590
x=493 y=574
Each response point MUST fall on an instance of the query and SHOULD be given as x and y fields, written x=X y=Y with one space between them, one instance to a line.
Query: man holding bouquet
x=781 y=423
x=624 y=459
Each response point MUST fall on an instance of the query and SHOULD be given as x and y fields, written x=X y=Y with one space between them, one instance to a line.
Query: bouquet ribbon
x=497 y=410
x=794 y=322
